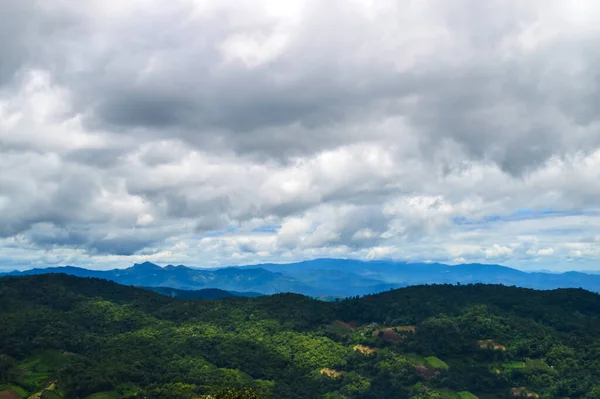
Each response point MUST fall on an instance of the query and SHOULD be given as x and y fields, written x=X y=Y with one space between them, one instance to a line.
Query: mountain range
x=325 y=277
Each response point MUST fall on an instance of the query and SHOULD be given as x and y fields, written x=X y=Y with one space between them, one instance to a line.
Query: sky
x=224 y=132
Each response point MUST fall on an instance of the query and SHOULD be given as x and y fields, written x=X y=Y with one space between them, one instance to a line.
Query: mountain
x=206 y=293
x=147 y=274
x=406 y=274
x=328 y=277
x=253 y=279
x=338 y=281
x=69 y=337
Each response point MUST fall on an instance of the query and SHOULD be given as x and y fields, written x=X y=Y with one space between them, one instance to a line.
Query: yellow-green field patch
x=411 y=329
x=490 y=344
x=365 y=350
x=416 y=359
x=37 y=370
x=522 y=391
x=537 y=364
x=444 y=392
x=331 y=373
x=436 y=363
x=513 y=366
x=104 y=395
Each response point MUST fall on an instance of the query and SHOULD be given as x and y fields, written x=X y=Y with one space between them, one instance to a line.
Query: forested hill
x=64 y=336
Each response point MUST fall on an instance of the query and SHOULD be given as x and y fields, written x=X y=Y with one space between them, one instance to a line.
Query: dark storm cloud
x=162 y=76
x=194 y=94
x=124 y=243
x=62 y=200
x=97 y=157
x=33 y=33
x=363 y=227
x=517 y=114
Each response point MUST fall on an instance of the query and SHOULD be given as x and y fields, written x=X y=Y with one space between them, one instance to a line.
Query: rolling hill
x=71 y=337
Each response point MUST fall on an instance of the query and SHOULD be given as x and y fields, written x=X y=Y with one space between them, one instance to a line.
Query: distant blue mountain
x=205 y=293
x=405 y=274
x=147 y=274
x=327 y=277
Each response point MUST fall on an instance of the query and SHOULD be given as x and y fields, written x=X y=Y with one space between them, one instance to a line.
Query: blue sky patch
x=520 y=215
x=268 y=228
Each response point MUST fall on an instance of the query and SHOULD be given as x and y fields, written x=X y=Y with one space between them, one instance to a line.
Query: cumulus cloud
x=219 y=132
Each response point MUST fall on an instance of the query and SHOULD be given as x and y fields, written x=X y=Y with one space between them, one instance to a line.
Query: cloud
x=411 y=130
x=541 y=252
x=497 y=251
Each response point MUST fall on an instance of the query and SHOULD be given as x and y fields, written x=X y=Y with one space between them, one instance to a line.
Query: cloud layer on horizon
x=232 y=132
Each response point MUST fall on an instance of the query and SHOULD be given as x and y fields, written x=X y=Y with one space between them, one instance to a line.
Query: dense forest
x=70 y=337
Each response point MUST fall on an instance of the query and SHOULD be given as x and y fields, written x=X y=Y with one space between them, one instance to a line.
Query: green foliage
x=234 y=394
x=99 y=340
x=104 y=395
x=436 y=363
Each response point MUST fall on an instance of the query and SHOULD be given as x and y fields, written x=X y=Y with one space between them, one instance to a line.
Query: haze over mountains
x=325 y=277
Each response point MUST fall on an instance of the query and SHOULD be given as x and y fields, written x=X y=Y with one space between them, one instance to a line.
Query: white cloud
x=145 y=219
x=545 y=251
x=541 y=251
x=379 y=252
x=218 y=132
x=498 y=251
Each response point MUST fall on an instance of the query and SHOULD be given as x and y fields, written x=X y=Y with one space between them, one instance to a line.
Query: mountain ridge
x=326 y=277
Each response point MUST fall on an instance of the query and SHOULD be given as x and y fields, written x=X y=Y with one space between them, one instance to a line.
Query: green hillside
x=68 y=337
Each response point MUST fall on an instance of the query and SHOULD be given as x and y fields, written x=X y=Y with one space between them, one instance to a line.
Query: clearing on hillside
x=388 y=334
x=519 y=392
x=36 y=371
x=365 y=350
x=47 y=393
x=490 y=344
x=9 y=394
x=126 y=390
x=348 y=326
x=436 y=363
x=513 y=366
x=341 y=328
x=406 y=329
x=538 y=364
x=394 y=334
x=15 y=388
x=426 y=371
x=332 y=373
x=529 y=364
